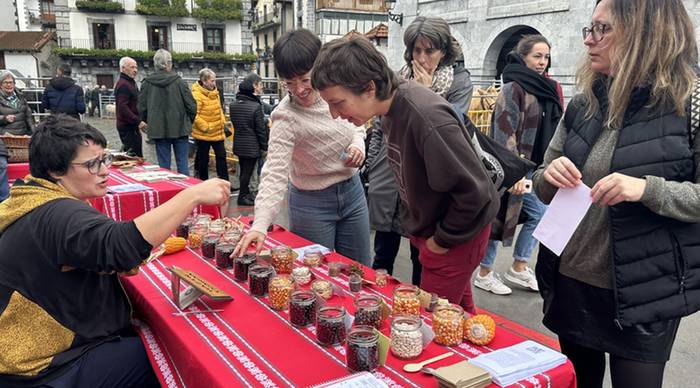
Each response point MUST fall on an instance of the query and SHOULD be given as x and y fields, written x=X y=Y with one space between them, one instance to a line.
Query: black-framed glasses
x=597 y=31
x=93 y=165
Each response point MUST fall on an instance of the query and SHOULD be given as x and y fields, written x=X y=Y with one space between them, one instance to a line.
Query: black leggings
x=202 y=159
x=590 y=368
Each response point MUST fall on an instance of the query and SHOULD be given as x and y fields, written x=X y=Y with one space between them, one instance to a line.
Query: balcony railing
x=142 y=45
x=356 y=5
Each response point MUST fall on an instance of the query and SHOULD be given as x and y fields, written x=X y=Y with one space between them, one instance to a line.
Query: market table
x=127 y=206
x=249 y=344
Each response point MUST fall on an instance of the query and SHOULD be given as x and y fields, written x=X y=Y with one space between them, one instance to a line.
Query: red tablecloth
x=127 y=206
x=249 y=344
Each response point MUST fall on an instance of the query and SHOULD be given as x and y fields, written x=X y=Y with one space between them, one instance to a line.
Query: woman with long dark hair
x=527 y=112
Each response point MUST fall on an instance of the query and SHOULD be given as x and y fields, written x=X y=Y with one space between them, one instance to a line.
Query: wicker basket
x=17 y=147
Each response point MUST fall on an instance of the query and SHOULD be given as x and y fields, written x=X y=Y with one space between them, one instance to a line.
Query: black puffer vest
x=656 y=259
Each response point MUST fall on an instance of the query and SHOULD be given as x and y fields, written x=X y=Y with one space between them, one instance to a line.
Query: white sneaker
x=525 y=278
x=492 y=283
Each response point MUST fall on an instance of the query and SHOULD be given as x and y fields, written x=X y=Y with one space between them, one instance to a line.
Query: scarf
x=11 y=100
x=27 y=195
x=442 y=78
x=545 y=90
x=249 y=94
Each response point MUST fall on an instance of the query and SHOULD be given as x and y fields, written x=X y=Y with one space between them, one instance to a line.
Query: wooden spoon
x=417 y=366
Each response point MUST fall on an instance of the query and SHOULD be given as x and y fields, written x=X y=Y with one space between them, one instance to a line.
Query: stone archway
x=502 y=44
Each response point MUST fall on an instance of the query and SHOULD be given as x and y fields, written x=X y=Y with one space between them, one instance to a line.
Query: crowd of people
x=619 y=288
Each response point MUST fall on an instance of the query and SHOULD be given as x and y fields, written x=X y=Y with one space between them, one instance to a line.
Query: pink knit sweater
x=305 y=147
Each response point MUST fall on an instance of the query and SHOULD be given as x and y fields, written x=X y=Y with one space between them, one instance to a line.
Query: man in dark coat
x=62 y=95
x=126 y=93
x=167 y=106
x=251 y=134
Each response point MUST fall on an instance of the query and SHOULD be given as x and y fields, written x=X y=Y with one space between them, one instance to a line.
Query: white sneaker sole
x=477 y=285
x=519 y=282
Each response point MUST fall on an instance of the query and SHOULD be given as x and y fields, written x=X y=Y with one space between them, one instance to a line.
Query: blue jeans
x=525 y=243
x=4 y=186
x=181 y=146
x=335 y=217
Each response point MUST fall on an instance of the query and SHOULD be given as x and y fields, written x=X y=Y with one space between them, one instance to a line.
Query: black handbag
x=504 y=167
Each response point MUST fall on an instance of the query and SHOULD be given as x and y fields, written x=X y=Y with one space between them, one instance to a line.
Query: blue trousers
x=121 y=363
x=335 y=217
x=525 y=243
x=163 y=151
x=4 y=185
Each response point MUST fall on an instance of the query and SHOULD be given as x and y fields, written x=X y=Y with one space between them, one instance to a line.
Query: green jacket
x=166 y=105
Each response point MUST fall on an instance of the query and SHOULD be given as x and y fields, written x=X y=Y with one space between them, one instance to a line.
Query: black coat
x=250 y=129
x=62 y=95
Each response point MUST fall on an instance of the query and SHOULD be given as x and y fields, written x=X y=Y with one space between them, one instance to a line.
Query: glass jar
x=301 y=276
x=381 y=277
x=259 y=279
x=302 y=308
x=355 y=282
x=203 y=219
x=224 y=251
x=217 y=227
x=241 y=265
x=196 y=235
x=335 y=268
x=368 y=311
x=312 y=257
x=362 y=349
x=232 y=235
x=209 y=245
x=406 y=300
x=330 y=325
x=323 y=288
x=406 y=337
x=281 y=288
x=183 y=229
x=282 y=259
x=448 y=325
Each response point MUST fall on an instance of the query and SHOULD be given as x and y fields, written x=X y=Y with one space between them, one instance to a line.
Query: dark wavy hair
x=437 y=32
x=55 y=143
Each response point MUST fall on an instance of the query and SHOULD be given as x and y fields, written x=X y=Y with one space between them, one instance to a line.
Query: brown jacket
x=441 y=180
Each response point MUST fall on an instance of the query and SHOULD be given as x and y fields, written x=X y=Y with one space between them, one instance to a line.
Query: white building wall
x=130 y=31
x=8 y=21
x=23 y=62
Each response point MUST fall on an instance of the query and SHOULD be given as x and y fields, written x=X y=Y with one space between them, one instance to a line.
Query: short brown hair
x=295 y=53
x=352 y=63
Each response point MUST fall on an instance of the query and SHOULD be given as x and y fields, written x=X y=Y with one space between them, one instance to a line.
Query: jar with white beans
x=406 y=336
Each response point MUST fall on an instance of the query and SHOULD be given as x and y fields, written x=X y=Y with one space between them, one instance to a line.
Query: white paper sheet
x=128 y=188
x=562 y=217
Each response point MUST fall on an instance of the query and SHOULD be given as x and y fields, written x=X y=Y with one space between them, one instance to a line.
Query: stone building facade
x=488 y=29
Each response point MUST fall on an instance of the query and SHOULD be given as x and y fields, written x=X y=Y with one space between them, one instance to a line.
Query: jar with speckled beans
x=448 y=324
x=406 y=337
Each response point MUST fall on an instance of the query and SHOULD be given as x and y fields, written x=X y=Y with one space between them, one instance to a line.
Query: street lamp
x=396 y=17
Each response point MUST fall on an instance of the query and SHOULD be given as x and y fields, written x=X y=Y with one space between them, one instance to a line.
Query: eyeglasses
x=8 y=82
x=597 y=31
x=93 y=165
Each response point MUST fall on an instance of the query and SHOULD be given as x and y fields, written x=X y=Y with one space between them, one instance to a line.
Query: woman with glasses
x=15 y=119
x=315 y=156
x=65 y=320
x=631 y=269
x=526 y=114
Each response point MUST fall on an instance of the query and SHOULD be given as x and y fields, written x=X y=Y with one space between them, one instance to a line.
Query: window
x=257 y=41
x=214 y=39
x=157 y=37
x=103 y=35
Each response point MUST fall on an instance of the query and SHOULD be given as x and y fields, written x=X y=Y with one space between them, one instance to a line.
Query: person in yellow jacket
x=208 y=126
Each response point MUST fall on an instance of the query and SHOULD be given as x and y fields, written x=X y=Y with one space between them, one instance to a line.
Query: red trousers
x=449 y=275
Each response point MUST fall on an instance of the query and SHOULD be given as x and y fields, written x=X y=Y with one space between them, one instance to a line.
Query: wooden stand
x=198 y=288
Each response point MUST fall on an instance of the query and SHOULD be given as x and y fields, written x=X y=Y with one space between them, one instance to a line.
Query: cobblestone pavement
x=523 y=307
